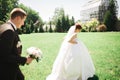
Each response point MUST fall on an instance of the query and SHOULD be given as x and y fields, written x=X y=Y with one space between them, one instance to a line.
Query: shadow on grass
x=95 y=77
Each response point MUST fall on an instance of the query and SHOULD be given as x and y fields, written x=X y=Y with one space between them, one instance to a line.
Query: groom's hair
x=78 y=26
x=18 y=12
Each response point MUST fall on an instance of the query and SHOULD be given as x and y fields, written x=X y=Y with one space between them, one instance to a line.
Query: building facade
x=94 y=9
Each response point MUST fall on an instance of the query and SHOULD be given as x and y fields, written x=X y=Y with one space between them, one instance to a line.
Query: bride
x=73 y=61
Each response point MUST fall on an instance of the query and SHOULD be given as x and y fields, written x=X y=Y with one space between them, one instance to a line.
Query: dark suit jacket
x=10 y=51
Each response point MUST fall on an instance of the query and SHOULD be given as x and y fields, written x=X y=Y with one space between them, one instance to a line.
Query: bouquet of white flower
x=34 y=53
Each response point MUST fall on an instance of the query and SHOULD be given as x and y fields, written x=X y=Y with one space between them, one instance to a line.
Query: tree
x=32 y=26
x=58 y=14
x=111 y=16
x=1 y=22
x=58 y=26
x=108 y=20
x=5 y=7
x=50 y=29
x=41 y=30
x=67 y=23
x=32 y=18
x=63 y=23
x=72 y=21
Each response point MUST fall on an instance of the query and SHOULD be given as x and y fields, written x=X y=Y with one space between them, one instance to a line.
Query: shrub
x=1 y=22
x=101 y=28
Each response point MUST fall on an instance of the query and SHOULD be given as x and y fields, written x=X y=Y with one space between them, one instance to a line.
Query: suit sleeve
x=6 y=48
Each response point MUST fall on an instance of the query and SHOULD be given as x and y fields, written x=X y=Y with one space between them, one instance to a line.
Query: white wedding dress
x=73 y=61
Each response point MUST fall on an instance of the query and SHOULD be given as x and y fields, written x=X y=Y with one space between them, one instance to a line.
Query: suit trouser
x=20 y=76
x=7 y=73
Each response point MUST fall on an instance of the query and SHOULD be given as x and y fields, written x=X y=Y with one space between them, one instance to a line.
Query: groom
x=11 y=48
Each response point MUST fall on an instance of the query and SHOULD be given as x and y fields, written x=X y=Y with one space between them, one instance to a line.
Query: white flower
x=35 y=53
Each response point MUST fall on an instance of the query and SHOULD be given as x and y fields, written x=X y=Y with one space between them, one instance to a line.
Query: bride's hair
x=78 y=26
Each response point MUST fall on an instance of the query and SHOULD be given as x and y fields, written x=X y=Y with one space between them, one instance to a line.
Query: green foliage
x=72 y=21
x=32 y=18
x=104 y=49
x=110 y=18
x=90 y=26
x=62 y=21
x=27 y=28
x=32 y=26
x=67 y=23
x=5 y=7
x=50 y=29
x=1 y=22
x=58 y=26
x=108 y=21
x=59 y=12
x=41 y=29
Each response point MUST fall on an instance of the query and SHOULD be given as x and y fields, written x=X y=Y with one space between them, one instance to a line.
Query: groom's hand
x=29 y=60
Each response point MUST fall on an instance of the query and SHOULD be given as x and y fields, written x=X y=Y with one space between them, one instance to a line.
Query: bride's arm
x=72 y=40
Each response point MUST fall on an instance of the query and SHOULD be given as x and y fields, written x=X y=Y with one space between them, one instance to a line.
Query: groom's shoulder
x=4 y=27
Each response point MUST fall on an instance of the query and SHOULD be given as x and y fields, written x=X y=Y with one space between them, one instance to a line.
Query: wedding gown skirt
x=72 y=63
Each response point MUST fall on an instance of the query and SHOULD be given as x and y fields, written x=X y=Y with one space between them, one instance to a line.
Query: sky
x=46 y=8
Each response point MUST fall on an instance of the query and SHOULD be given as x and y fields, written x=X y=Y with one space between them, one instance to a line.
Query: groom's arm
x=6 y=49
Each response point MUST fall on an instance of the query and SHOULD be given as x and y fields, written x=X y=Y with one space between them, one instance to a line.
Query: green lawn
x=103 y=47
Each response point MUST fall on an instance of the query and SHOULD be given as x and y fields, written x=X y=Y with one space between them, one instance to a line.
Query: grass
x=104 y=49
